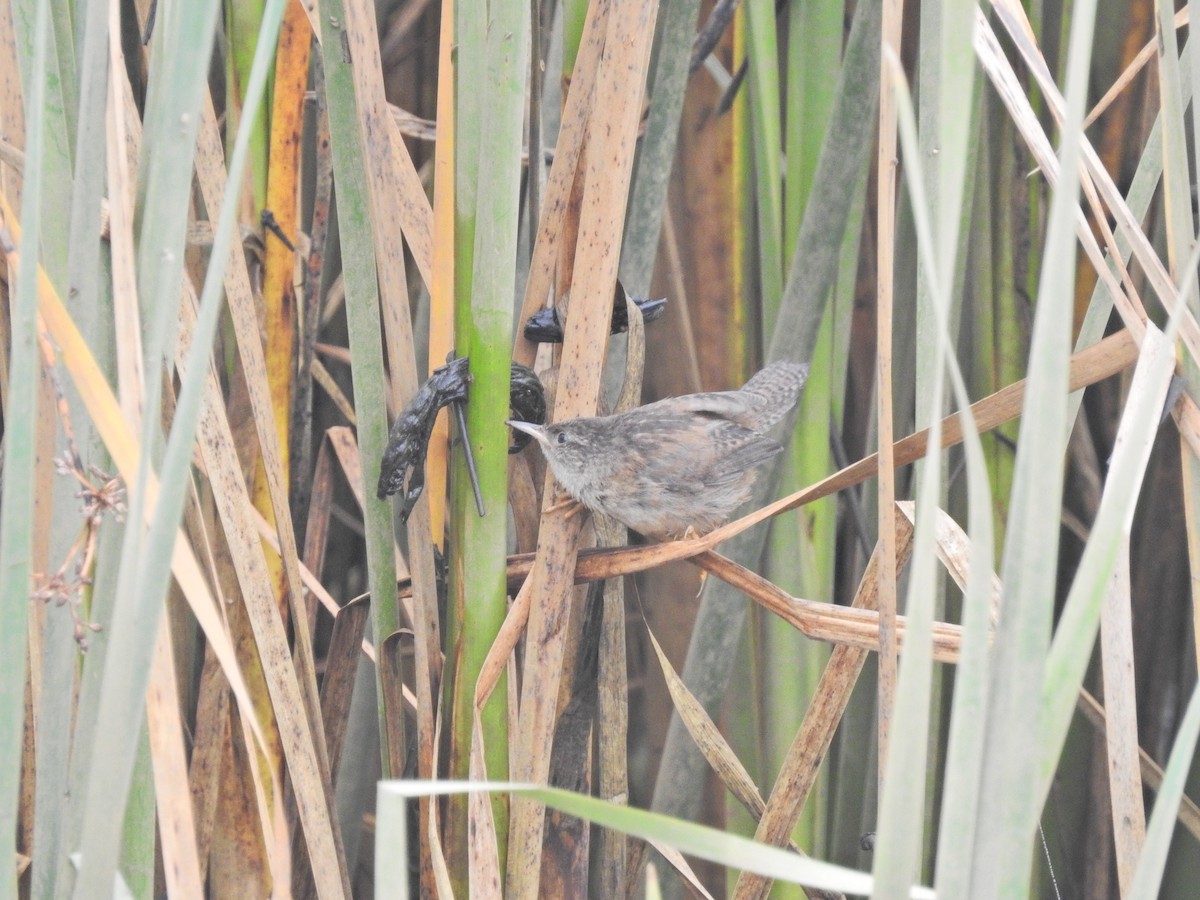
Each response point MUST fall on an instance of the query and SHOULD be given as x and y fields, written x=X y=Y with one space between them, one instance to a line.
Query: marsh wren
x=677 y=464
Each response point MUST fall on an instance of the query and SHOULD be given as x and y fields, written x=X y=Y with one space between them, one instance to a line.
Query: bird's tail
x=778 y=385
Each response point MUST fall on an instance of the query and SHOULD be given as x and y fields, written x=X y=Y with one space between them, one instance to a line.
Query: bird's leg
x=690 y=533
x=565 y=502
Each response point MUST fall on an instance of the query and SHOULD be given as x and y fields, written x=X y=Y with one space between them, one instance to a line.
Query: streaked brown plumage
x=684 y=462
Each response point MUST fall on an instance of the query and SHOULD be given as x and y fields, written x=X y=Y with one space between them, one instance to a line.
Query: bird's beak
x=537 y=432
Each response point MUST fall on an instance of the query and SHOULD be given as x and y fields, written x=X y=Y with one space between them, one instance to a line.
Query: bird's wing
x=728 y=449
x=740 y=452
x=761 y=402
x=729 y=405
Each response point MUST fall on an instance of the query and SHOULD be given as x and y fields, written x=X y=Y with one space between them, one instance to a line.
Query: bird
x=677 y=466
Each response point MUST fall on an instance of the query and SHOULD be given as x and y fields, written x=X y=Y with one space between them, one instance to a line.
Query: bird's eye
x=562 y=437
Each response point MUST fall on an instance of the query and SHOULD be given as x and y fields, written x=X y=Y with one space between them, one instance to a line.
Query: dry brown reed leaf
x=315 y=245
x=210 y=174
x=561 y=179
x=523 y=499
x=1013 y=95
x=303 y=744
x=416 y=214
x=210 y=736
x=242 y=855
x=612 y=698
x=267 y=532
x=612 y=133
x=306 y=759
x=482 y=845
x=612 y=726
x=885 y=249
x=1013 y=18
x=1152 y=773
x=441 y=283
x=818 y=620
x=316 y=521
x=708 y=739
x=345 y=448
x=341 y=664
x=507 y=638
x=1130 y=72
x=334 y=352
x=953 y=548
x=798 y=772
x=321 y=376
x=412 y=212
x=1187 y=419
x=391 y=676
x=438 y=872
x=12 y=145
x=293 y=685
x=1105 y=358
x=1121 y=738
x=822 y=621
x=339 y=445
x=680 y=864
x=172 y=798
x=387 y=193
x=335 y=300
x=281 y=332
x=123 y=136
